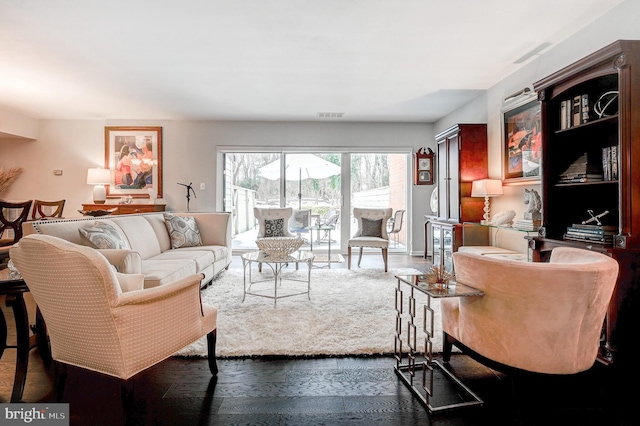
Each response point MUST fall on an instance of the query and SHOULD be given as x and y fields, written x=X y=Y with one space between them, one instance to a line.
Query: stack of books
x=582 y=170
x=527 y=224
x=597 y=234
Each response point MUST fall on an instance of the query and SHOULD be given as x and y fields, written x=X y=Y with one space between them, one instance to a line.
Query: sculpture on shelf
x=534 y=205
x=504 y=218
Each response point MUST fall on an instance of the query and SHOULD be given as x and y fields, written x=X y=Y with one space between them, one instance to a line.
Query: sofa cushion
x=202 y=258
x=162 y=271
x=183 y=231
x=101 y=235
x=130 y=282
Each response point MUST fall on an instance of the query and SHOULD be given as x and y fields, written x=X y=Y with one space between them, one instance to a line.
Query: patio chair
x=396 y=222
x=372 y=232
x=332 y=220
x=299 y=222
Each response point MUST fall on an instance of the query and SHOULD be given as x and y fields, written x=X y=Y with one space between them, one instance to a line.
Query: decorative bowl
x=279 y=246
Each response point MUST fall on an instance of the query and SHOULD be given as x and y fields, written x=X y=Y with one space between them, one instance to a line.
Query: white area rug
x=351 y=312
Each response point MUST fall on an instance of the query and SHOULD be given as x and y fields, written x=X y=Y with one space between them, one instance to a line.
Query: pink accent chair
x=534 y=316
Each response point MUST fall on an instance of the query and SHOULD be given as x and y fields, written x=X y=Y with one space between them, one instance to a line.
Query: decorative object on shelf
x=189 y=191
x=595 y=218
x=504 y=218
x=99 y=177
x=7 y=177
x=438 y=275
x=127 y=199
x=134 y=154
x=434 y=200
x=97 y=213
x=607 y=104
x=279 y=246
x=534 y=205
x=522 y=138
x=486 y=188
x=423 y=160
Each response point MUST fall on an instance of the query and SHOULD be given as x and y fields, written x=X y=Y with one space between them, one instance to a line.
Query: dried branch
x=7 y=177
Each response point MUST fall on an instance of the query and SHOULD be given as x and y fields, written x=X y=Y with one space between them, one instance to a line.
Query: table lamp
x=99 y=177
x=486 y=188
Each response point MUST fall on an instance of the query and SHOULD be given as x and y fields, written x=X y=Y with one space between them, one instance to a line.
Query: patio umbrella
x=300 y=167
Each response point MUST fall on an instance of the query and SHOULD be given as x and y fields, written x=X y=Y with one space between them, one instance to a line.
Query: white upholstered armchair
x=104 y=321
x=273 y=222
x=372 y=232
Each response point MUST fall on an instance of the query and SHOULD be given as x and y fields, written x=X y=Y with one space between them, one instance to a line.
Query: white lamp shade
x=486 y=188
x=98 y=176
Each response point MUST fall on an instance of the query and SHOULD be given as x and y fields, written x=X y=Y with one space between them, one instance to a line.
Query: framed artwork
x=522 y=141
x=134 y=156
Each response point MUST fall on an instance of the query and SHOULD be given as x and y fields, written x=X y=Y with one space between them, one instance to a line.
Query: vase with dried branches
x=439 y=276
x=7 y=177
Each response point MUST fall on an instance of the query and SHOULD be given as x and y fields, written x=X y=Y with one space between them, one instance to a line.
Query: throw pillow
x=371 y=228
x=183 y=231
x=274 y=227
x=103 y=236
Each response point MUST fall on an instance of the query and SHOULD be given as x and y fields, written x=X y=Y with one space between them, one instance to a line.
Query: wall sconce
x=99 y=177
x=486 y=188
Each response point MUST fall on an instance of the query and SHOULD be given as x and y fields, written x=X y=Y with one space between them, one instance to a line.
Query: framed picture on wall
x=134 y=156
x=522 y=141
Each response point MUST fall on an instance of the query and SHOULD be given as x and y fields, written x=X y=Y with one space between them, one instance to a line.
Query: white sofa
x=149 y=248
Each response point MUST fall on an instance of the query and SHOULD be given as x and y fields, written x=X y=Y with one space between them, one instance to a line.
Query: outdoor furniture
x=396 y=227
x=299 y=222
x=372 y=232
x=47 y=209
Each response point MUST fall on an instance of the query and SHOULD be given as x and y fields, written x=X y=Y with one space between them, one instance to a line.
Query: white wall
x=189 y=155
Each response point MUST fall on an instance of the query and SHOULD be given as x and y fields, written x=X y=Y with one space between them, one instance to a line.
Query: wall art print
x=134 y=156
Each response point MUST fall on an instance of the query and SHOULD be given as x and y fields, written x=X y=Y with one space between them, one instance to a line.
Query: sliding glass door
x=314 y=183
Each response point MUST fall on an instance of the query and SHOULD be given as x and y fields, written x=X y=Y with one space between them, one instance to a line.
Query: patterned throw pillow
x=274 y=228
x=371 y=228
x=103 y=236
x=183 y=231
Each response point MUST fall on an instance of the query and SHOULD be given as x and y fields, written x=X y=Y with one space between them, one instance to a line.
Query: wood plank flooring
x=324 y=391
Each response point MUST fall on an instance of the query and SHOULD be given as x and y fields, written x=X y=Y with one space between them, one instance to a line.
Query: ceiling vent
x=330 y=114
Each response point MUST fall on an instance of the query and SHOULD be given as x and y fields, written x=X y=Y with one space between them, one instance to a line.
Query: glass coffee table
x=291 y=286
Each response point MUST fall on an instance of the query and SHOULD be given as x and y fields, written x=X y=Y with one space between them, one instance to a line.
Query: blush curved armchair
x=103 y=321
x=541 y=317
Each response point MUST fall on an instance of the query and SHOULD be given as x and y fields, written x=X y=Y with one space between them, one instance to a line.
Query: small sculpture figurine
x=534 y=205
x=595 y=218
x=504 y=218
x=189 y=191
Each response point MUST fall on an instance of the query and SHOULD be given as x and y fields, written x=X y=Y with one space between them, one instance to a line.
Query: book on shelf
x=563 y=115
x=610 y=162
x=595 y=227
x=589 y=231
x=527 y=224
x=576 y=111
x=605 y=240
x=584 y=118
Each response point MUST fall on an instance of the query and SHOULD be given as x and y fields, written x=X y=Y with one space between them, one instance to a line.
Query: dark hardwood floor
x=325 y=391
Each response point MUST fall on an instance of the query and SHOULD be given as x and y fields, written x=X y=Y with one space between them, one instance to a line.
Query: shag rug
x=350 y=312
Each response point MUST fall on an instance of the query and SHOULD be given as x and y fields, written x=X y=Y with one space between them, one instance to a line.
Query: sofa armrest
x=214 y=227
x=125 y=261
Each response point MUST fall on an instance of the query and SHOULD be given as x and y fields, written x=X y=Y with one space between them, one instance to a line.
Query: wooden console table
x=126 y=208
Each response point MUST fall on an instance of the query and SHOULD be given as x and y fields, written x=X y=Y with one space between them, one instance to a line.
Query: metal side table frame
x=406 y=371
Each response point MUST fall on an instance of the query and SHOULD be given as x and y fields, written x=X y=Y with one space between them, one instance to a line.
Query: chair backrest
x=12 y=215
x=45 y=209
x=398 y=217
x=332 y=220
x=74 y=287
x=536 y=316
x=300 y=220
x=381 y=215
x=273 y=221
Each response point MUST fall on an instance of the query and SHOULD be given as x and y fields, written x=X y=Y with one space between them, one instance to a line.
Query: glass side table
x=407 y=365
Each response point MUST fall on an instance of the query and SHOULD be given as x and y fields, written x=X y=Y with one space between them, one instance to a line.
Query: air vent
x=330 y=114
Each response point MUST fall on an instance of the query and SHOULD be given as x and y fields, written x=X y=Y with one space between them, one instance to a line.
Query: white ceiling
x=286 y=60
